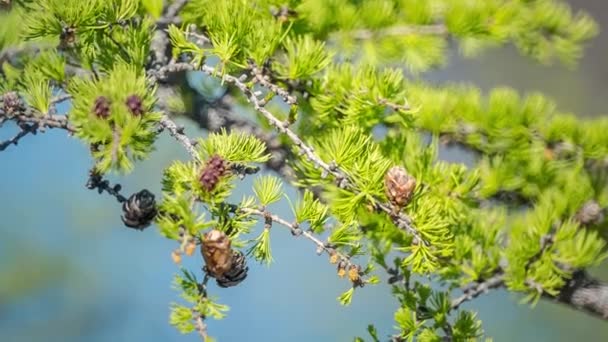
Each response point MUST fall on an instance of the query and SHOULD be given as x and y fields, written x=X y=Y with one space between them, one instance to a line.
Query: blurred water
x=84 y=277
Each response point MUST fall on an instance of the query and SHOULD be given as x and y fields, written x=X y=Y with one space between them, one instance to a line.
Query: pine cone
x=139 y=210
x=215 y=168
x=11 y=103
x=135 y=105
x=399 y=186
x=590 y=214
x=101 y=108
x=223 y=263
x=237 y=273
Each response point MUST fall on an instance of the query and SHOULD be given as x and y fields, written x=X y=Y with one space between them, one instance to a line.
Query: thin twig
x=96 y=181
x=61 y=98
x=401 y=220
x=172 y=11
x=178 y=133
x=264 y=80
x=201 y=327
x=25 y=130
x=296 y=231
x=404 y=30
x=480 y=288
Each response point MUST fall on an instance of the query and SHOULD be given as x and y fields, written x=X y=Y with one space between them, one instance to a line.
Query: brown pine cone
x=399 y=186
x=223 y=263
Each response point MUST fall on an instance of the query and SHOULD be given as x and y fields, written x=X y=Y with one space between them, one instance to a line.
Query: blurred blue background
x=70 y=271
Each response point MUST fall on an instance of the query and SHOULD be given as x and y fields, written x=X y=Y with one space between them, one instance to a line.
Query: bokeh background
x=70 y=271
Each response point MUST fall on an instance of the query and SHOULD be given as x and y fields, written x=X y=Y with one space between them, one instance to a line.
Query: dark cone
x=101 y=108
x=139 y=210
x=226 y=265
x=135 y=105
x=237 y=273
x=215 y=168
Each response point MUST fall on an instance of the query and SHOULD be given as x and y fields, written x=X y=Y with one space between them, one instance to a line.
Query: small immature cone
x=399 y=186
x=135 y=105
x=214 y=169
x=101 y=107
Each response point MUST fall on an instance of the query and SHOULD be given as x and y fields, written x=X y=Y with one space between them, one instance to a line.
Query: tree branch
x=586 y=294
x=178 y=133
x=401 y=220
x=297 y=231
x=477 y=289
x=96 y=181
x=25 y=130
x=29 y=122
x=402 y=30
x=201 y=327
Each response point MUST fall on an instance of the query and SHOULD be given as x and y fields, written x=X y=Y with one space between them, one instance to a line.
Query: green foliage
x=534 y=259
x=349 y=95
x=99 y=32
x=513 y=211
x=260 y=250
x=312 y=210
x=153 y=7
x=122 y=137
x=38 y=92
x=467 y=327
x=182 y=317
x=304 y=58
x=11 y=28
x=347 y=297
x=234 y=147
x=416 y=32
x=236 y=29
x=177 y=214
x=181 y=44
x=268 y=189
